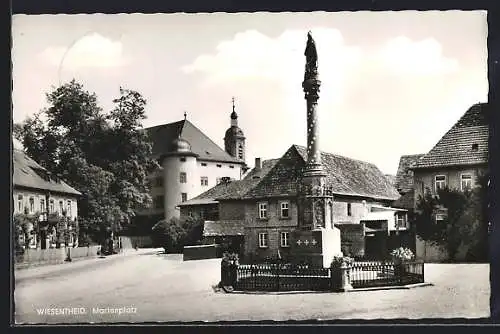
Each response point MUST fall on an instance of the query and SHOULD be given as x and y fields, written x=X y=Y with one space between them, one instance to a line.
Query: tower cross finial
x=232 y=100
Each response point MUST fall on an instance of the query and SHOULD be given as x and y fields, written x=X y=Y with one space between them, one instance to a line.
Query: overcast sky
x=392 y=82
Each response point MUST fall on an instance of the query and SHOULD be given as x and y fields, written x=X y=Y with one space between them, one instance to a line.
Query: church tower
x=234 y=140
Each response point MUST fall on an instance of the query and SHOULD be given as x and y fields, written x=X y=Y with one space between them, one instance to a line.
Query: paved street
x=148 y=286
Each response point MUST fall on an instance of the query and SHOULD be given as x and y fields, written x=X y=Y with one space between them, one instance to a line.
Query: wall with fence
x=201 y=252
x=53 y=255
x=429 y=252
x=290 y=277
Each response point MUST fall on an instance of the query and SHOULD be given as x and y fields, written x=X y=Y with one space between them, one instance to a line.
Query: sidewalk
x=43 y=270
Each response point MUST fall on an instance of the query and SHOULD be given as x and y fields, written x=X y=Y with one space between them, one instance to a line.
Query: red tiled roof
x=163 y=135
x=404 y=176
x=466 y=143
x=27 y=173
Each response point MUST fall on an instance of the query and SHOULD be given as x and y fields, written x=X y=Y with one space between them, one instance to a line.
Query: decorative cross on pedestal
x=307 y=242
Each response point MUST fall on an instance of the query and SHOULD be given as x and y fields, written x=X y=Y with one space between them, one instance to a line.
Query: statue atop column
x=311 y=58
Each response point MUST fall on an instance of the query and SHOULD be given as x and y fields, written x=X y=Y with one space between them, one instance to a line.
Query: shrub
x=176 y=233
x=402 y=254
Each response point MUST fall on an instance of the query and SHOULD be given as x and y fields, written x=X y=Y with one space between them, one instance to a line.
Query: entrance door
x=375 y=246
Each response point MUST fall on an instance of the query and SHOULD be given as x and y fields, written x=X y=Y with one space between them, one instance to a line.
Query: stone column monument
x=316 y=241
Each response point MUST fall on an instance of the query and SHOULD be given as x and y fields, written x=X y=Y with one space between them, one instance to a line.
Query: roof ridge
x=339 y=156
x=207 y=137
x=160 y=125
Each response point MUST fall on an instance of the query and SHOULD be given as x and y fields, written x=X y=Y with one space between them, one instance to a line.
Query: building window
x=159 y=181
x=51 y=206
x=190 y=213
x=42 y=205
x=20 y=203
x=240 y=151
x=68 y=209
x=231 y=166
x=182 y=177
x=285 y=239
x=33 y=241
x=182 y=159
x=263 y=240
x=219 y=166
x=349 y=209
x=204 y=181
x=32 y=204
x=440 y=182
x=400 y=220
x=475 y=147
x=263 y=210
x=439 y=218
x=184 y=197
x=61 y=207
x=158 y=202
x=466 y=181
x=285 y=210
x=204 y=164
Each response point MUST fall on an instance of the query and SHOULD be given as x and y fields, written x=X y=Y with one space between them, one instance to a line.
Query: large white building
x=36 y=191
x=191 y=163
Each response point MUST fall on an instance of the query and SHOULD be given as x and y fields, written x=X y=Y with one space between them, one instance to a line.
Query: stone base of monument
x=315 y=247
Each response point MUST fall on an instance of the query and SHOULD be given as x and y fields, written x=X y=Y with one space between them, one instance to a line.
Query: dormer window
x=475 y=147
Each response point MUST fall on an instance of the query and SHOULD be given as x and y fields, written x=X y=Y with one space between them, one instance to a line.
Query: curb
x=400 y=287
x=377 y=288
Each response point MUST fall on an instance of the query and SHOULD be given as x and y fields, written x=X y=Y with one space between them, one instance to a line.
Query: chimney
x=258 y=164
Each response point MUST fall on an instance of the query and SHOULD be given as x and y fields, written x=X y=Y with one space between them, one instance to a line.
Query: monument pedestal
x=315 y=247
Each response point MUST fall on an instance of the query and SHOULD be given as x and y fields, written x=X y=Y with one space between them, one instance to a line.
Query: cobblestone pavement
x=157 y=287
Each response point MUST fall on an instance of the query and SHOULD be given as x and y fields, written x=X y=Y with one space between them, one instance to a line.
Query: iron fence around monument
x=282 y=277
x=296 y=277
x=375 y=273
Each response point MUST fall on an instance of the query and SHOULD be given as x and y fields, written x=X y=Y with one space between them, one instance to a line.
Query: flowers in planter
x=401 y=254
x=230 y=258
x=339 y=260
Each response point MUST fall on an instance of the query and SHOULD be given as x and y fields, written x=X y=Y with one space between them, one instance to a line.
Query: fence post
x=278 y=265
x=346 y=277
x=233 y=268
x=252 y=274
x=423 y=271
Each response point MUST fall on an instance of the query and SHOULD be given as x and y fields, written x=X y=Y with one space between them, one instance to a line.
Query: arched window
x=240 y=151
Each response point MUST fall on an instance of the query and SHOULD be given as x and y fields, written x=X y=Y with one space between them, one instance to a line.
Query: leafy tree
x=479 y=214
x=465 y=221
x=107 y=157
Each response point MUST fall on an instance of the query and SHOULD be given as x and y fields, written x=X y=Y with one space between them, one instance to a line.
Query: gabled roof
x=456 y=147
x=163 y=135
x=29 y=174
x=223 y=228
x=391 y=178
x=404 y=176
x=233 y=189
x=344 y=175
x=406 y=201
